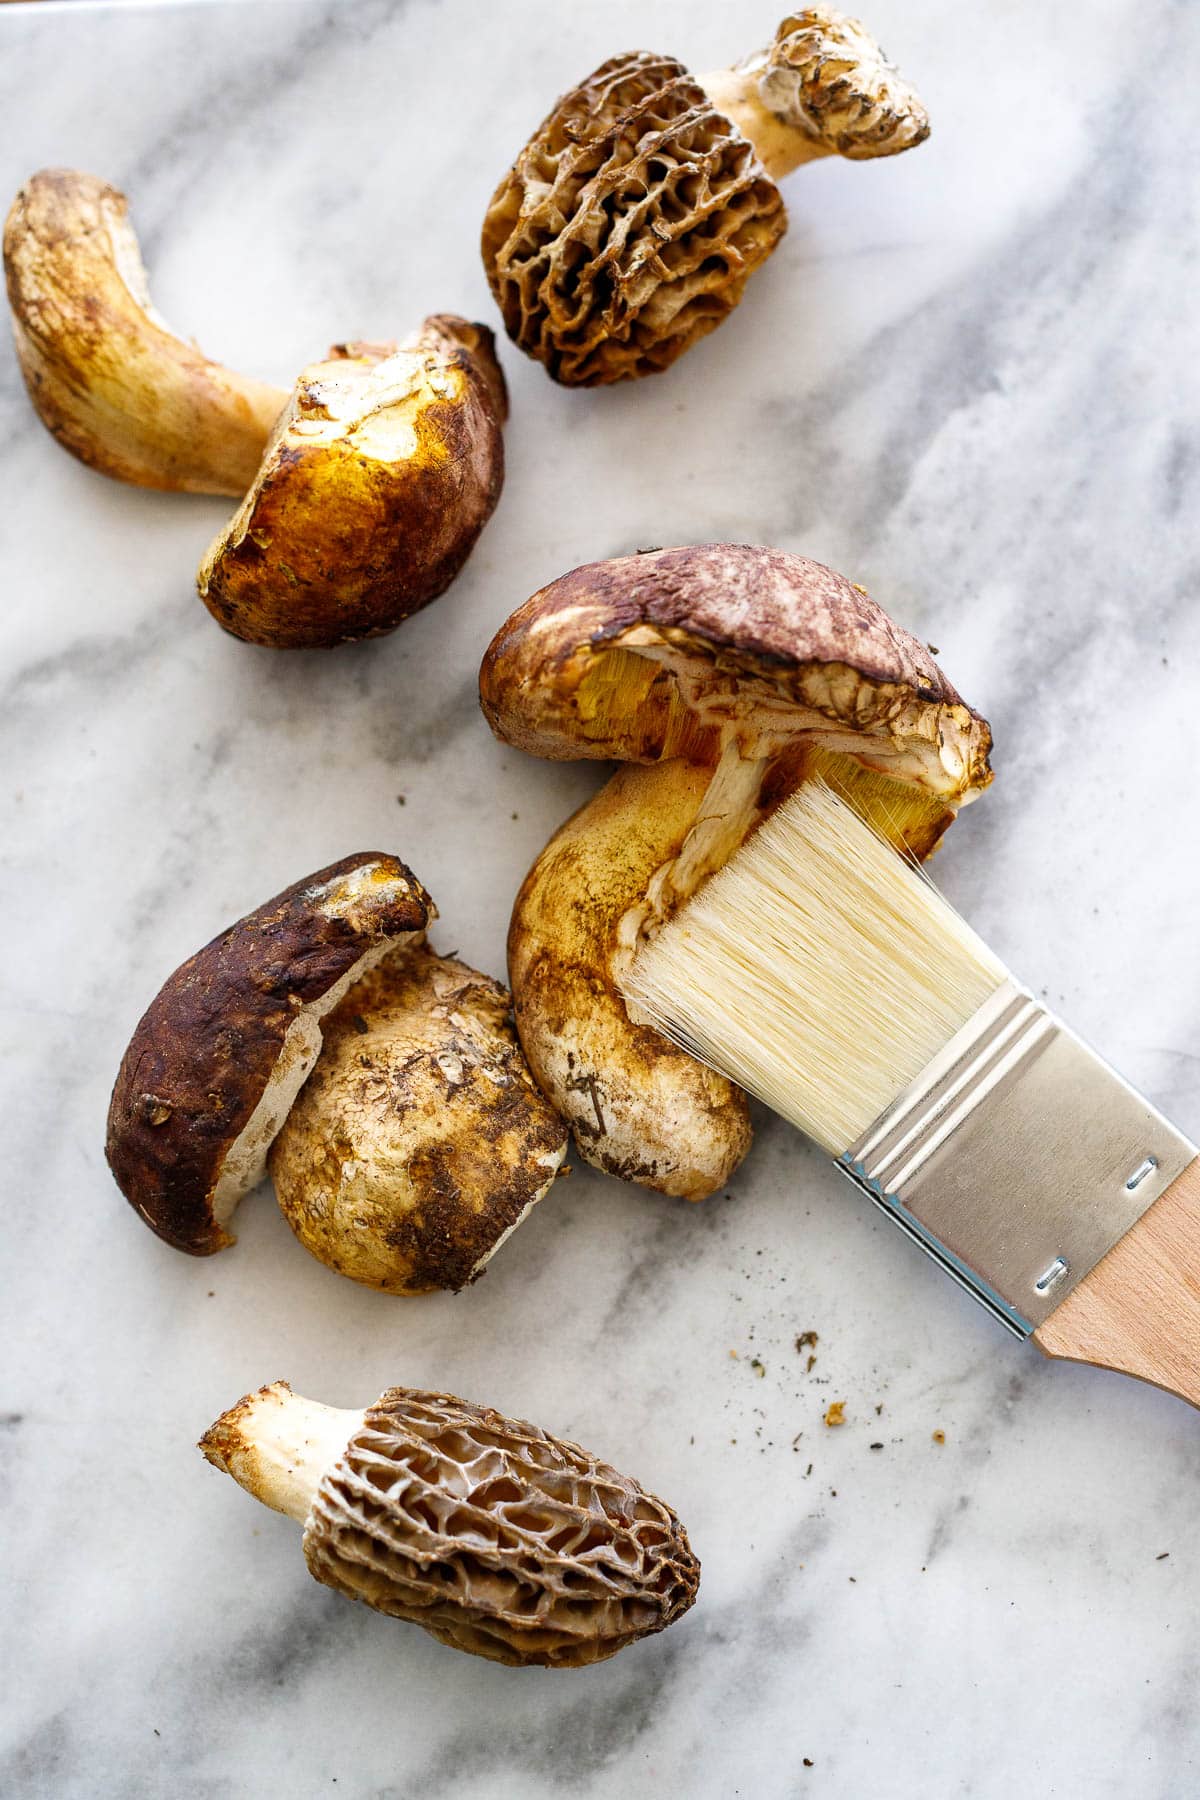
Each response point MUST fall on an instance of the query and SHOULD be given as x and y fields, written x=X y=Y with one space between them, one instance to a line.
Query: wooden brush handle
x=1139 y=1309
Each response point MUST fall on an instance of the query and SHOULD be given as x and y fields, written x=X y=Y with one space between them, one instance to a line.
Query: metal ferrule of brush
x=1017 y=1158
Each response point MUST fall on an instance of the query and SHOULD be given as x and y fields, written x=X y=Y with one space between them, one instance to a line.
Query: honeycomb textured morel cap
x=496 y=1537
x=491 y=1534
x=629 y=224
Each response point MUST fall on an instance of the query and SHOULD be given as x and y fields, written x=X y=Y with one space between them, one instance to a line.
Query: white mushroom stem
x=278 y=1445
x=823 y=88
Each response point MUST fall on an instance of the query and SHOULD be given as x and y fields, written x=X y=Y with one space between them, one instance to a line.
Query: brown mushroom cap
x=629 y=224
x=665 y=653
x=490 y=1534
x=378 y=479
x=420 y=1141
x=219 y=1055
x=732 y=673
x=105 y=373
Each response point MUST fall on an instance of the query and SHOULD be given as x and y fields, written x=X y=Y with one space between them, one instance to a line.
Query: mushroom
x=362 y=495
x=379 y=476
x=105 y=372
x=224 y=1047
x=723 y=675
x=420 y=1141
x=629 y=224
x=493 y=1536
x=382 y=1085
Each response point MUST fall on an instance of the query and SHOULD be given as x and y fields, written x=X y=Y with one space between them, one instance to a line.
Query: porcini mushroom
x=629 y=224
x=378 y=479
x=420 y=1141
x=493 y=1536
x=223 y=1049
x=383 y=1086
x=104 y=370
x=724 y=675
x=362 y=494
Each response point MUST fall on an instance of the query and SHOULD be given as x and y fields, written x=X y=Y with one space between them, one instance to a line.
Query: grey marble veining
x=968 y=379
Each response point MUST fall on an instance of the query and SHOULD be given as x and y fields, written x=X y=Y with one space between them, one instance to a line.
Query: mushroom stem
x=780 y=144
x=278 y=1445
x=823 y=88
x=107 y=375
x=640 y=1108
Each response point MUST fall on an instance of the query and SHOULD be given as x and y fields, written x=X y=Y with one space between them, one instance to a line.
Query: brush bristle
x=817 y=969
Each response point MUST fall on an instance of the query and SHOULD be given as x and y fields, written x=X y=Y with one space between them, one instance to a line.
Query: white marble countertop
x=967 y=379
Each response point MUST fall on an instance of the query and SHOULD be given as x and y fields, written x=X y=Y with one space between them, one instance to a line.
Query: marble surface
x=968 y=379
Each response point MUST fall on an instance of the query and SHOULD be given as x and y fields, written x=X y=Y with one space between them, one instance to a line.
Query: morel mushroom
x=724 y=675
x=105 y=372
x=420 y=1141
x=630 y=223
x=493 y=1536
x=378 y=479
x=424 y=1141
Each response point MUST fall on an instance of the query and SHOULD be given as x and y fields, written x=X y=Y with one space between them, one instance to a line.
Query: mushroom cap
x=106 y=374
x=379 y=477
x=665 y=653
x=420 y=1141
x=628 y=225
x=220 y=1053
x=496 y=1537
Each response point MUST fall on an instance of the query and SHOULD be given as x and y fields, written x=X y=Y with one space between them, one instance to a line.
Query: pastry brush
x=825 y=974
